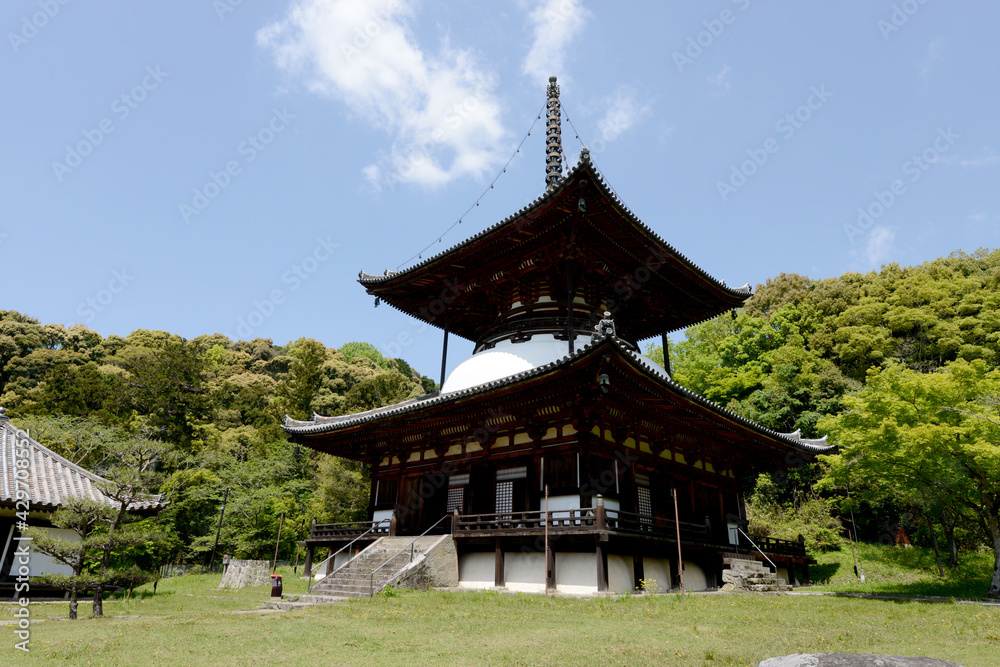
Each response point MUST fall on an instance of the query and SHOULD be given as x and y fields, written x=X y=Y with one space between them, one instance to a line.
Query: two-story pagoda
x=557 y=394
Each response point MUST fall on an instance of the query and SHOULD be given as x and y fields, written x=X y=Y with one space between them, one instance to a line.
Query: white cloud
x=439 y=107
x=934 y=51
x=721 y=81
x=622 y=113
x=879 y=248
x=555 y=23
x=979 y=215
x=987 y=158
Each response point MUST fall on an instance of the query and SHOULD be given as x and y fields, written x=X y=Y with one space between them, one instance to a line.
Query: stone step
x=321 y=599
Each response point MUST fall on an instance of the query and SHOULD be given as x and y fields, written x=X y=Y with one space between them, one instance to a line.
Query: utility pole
x=677 y=524
x=218 y=531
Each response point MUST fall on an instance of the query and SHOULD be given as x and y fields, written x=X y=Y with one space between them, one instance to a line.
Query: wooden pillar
x=550 y=569
x=444 y=356
x=307 y=568
x=666 y=353
x=602 y=567
x=393 y=524
x=498 y=566
x=601 y=521
x=570 y=333
x=638 y=571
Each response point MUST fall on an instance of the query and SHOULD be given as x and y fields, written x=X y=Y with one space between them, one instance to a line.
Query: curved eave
x=60 y=474
x=380 y=285
x=301 y=430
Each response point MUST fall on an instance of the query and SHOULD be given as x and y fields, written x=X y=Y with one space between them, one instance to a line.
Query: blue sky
x=230 y=166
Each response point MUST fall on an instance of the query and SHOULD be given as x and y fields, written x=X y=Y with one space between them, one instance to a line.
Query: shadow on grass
x=823 y=572
x=140 y=594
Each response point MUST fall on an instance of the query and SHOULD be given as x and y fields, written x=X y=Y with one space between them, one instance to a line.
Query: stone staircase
x=746 y=573
x=353 y=580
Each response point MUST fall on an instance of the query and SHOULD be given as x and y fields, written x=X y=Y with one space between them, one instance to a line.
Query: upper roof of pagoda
x=578 y=233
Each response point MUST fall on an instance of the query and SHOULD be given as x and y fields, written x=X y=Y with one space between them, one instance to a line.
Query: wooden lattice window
x=456 y=499
x=644 y=499
x=505 y=497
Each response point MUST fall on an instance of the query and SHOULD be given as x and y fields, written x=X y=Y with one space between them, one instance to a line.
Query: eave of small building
x=52 y=479
x=423 y=288
x=321 y=432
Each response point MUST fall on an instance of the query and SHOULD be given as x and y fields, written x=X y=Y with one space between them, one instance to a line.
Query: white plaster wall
x=783 y=576
x=620 y=573
x=557 y=503
x=342 y=559
x=476 y=570
x=658 y=570
x=694 y=577
x=525 y=572
x=378 y=515
x=40 y=563
x=576 y=573
x=508 y=358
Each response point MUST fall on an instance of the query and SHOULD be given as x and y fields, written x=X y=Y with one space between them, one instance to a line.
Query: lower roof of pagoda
x=602 y=383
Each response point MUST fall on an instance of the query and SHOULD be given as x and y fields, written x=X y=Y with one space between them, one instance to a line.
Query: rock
x=243 y=573
x=852 y=660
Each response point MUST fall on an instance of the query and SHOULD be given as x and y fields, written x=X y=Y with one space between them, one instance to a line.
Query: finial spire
x=553 y=137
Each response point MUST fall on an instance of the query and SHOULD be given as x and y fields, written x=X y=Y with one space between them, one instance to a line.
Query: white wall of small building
x=39 y=563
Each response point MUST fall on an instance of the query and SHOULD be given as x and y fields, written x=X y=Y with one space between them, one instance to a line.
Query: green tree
x=928 y=438
x=84 y=517
x=129 y=478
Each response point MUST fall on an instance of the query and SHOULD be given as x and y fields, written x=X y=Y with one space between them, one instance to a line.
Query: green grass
x=189 y=622
x=902 y=571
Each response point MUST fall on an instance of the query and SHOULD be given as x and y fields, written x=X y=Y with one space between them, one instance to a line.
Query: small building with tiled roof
x=34 y=483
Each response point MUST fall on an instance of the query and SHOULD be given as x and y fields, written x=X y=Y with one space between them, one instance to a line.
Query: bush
x=811 y=519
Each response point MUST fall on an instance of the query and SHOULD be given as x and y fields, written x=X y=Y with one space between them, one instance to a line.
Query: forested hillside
x=900 y=368
x=218 y=404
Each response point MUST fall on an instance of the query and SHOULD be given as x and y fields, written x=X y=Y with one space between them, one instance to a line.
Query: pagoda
x=558 y=455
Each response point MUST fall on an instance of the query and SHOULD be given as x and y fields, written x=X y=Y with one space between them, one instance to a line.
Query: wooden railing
x=586 y=520
x=782 y=547
x=572 y=520
x=629 y=522
x=339 y=531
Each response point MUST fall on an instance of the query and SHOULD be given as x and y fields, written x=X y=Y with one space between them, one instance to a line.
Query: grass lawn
x=189 y=622
x=906 y=571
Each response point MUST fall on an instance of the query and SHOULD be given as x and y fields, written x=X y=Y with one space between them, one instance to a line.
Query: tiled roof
x=320 y=424
x=52 y=479
x=585 y=164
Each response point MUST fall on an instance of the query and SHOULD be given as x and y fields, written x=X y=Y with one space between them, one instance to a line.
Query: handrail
x=327 y=559
x=757 y=548
x=371 y=588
